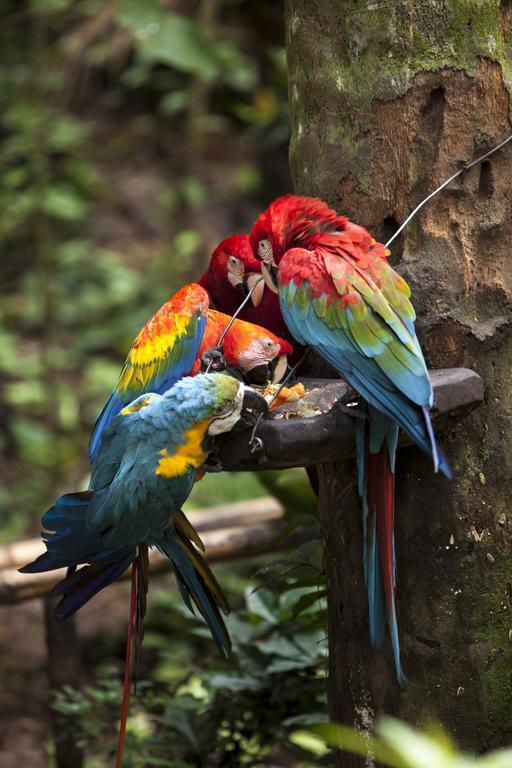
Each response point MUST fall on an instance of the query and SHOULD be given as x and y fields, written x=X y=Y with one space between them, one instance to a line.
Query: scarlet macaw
x=144 y=471
x=232 y=272
x=171 y=346
x=338 y=293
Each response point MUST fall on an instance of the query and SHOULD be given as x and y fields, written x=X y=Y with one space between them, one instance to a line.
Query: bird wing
x=358 y=314
x=163 y=352
x=138 y=484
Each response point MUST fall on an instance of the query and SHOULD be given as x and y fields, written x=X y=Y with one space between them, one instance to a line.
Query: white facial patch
x=259 y=352
x=225 y=423
x=235 y=271
x=269 y=349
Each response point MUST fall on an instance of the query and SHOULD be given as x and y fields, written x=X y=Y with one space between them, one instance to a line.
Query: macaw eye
x=233 y=261
x=269 y=344
x=265 y=251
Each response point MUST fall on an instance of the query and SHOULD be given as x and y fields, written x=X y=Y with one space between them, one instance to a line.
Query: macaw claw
x=213 y=360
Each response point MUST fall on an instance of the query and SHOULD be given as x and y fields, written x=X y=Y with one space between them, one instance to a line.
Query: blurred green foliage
x=132 y=134
x=398 y=745
x=229 y=713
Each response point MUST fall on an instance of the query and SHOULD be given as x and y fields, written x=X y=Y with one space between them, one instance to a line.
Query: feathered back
x=293 y=221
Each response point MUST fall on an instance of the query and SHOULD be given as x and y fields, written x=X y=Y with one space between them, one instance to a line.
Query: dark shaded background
x=133 y=137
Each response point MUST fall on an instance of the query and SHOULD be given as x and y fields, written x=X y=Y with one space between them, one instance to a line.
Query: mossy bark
x=388 y=100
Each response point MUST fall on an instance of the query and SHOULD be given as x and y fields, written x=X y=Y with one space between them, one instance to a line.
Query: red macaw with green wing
x=339 y=294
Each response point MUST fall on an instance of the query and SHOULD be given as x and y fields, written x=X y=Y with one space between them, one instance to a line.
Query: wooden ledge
x=229 y=532
x=320 y=427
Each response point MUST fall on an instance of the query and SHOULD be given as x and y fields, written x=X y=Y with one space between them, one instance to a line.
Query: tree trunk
x=64 y=668
x=387 y=101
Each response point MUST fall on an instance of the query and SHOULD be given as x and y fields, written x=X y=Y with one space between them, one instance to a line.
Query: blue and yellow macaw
x=143 y=473
x=339 y=294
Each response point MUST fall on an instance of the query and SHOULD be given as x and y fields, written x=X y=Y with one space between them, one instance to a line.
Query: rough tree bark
x=388 y=99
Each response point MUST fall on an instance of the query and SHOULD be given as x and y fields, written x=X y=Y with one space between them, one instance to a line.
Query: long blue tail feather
x=191 y=582
x=377 y=437
x=94 y=579
x=71 y=542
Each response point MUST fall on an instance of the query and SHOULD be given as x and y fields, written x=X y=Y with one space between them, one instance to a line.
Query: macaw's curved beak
x=254 y=401
x=272 y=372
x=253 y=282
x=269 y=272
x=278 y=368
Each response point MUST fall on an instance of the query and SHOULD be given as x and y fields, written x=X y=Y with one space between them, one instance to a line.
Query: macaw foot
x=213 y=360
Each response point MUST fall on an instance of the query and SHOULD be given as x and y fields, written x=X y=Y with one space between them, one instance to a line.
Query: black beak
x=247 y=285
x=254 y=401
x=260 y=374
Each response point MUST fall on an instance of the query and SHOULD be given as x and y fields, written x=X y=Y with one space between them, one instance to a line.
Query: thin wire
x=235 y=315
x=232 y=320
x=281 y=387
x=445 y=184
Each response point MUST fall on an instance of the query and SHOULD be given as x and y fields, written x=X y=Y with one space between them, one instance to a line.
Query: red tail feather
x=381 y=498
x=127 y=666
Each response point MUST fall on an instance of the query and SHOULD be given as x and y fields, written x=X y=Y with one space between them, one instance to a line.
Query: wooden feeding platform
x=316 y=429
x=320 y=427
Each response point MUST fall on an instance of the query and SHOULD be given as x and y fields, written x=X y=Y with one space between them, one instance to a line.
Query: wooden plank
x=320 y=427
x=228 y=543
x=241 y=513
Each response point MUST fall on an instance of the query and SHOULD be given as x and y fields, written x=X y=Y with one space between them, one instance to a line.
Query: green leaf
x=501 y=758
x=351 y=740
x=280 y=646
x=263 y=604
x=35 y=443
x=310 y=599
x=416 y=749
x=24 y=393
x=309 y=742
x=65 y=134
x=63 y=202
x=168 y=38
x=233 y=683
x=174 y=102
x=50 y=6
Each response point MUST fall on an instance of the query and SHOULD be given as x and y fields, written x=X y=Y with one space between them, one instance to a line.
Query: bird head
x=232 y=272
x=290 y=222
x=258 y=353
x=224 y=399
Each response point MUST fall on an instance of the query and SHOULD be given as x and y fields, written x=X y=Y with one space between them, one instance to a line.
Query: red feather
x=127 y=687
x=226 y=298
x=381 y=499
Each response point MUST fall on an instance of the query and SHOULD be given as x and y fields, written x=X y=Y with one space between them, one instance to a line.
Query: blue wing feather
x=175 y=366
x=364 y=374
